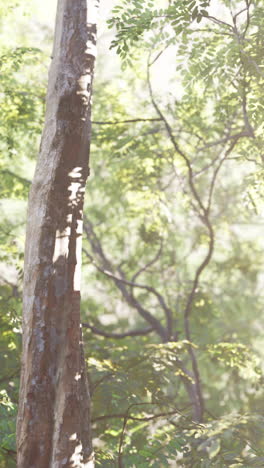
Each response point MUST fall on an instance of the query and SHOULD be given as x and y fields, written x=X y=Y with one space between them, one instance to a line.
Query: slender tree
x=53 y=428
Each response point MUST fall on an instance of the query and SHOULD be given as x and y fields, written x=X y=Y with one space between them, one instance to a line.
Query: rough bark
x=53 y=426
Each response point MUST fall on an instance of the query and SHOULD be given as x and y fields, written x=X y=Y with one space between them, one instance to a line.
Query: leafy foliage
x=7 y=431
x=173 y=251
x=133 y=20
x=157 y=228
x=22 y=106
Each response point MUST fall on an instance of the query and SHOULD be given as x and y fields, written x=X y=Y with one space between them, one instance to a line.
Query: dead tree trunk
x=53 y=426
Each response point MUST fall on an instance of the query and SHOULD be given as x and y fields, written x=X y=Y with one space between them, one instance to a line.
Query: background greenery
x=173 y=224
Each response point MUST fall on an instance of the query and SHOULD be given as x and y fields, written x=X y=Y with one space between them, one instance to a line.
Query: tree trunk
x=53 y=426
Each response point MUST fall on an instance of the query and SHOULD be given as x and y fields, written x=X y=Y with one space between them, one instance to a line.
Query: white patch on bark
x=76 y=458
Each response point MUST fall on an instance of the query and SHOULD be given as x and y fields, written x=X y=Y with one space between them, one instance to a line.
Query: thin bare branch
x=118 y=122
x=126 y=417
x=134 y=418
x=215 y=174
x=16 y=176
x=219 y=22
x=174 y=143
x=224 y=140
x=132 y=300
x=200 y=270
x=118 y=336
x=120 y=282
x=248 y=4
x=248 y=126
x=194 y=390
x=239 y=13
x=149 y=264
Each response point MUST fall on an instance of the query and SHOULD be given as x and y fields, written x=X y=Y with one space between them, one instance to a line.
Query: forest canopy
x=172 y=286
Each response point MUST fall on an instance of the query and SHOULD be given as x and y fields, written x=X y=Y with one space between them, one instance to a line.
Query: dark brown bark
x=53 y=426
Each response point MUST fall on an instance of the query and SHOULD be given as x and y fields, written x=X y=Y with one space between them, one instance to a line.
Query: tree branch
x=219 y=22
x=117 y=122
x=174 y=143
x=221 y=141
x=194 y=390
x=16 y=176
x=126 y=418
x=150 y=263
x=137 y=332
x=121 y=283
x=213 y=181
x=134 y=418
x=137 y=285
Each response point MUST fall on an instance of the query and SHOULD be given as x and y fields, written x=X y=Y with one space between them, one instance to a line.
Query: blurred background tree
x=172 y=262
